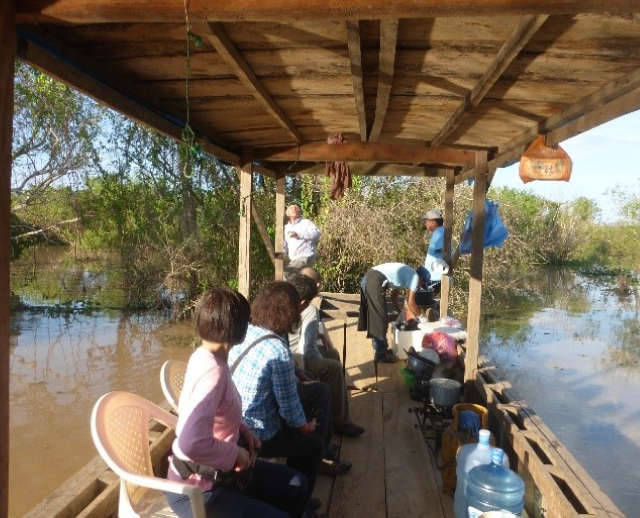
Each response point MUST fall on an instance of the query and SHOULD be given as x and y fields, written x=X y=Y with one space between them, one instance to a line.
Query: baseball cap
x=432 y=214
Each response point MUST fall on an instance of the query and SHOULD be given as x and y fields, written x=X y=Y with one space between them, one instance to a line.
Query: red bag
x=443 y=344
x=541 y=162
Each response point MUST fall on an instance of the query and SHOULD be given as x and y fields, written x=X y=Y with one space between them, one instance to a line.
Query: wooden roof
x=421 y=84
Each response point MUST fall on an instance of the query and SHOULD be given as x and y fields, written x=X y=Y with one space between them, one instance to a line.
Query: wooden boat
x=394 y=471
x=451 y=89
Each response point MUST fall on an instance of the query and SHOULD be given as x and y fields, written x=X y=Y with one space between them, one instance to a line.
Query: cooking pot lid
x=431 y=355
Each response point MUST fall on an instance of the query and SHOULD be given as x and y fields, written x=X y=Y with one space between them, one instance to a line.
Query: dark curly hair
x=306 y=288
x=222 y=316
x=276 y=308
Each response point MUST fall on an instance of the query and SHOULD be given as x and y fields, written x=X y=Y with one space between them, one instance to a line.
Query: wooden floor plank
x=361 y=493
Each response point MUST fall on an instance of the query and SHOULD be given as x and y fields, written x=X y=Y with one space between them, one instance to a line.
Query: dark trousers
x=275 y=492
x=303 y=452
x=315 y=397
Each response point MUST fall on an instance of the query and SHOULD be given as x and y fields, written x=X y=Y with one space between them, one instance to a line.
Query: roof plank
x=103 y=11
x=388 y=41
x=119 y=96
x=525 y=31
x=215 y=34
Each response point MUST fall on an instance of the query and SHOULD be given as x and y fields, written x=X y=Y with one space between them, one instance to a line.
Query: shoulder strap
x=249 y=347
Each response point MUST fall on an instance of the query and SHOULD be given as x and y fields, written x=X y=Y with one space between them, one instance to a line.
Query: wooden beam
x=246 y=208
x=376 y=169
x=475 y=280
x=509 y=51
x=627 y=103
x=111 y=11
x=7 y=66
x=366 y=152
x=386 y=67
x=280 y=209
x=262 y=230
x=214 y=33
x=355 y=57
x=260 y=169
x=448 y=233
x=613 y=100
x=120 y=95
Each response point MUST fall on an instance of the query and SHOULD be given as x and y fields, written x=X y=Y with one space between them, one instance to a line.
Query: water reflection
x=60 y=365
x=573 y=349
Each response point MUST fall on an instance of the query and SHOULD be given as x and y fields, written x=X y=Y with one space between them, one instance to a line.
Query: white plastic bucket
x=404 y=340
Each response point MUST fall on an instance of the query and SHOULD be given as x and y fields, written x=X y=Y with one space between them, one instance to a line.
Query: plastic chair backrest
x=172 y=379
x=120 y=431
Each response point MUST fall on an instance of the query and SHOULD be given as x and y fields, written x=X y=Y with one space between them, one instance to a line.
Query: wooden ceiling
x=404 y=84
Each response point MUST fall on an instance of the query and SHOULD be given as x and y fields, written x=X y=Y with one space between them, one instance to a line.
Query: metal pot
x=421 y=389
x=445 y=392
x=420 y=366
x=424 y=297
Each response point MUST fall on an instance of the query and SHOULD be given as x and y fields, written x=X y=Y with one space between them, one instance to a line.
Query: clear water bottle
x=493 y=487
x=469 y=456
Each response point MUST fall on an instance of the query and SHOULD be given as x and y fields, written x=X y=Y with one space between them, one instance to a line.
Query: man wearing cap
x=373 y=307
x=433 y=222
x=300 y=240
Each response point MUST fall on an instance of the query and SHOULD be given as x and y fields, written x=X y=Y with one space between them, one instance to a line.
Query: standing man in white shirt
x=300 y=240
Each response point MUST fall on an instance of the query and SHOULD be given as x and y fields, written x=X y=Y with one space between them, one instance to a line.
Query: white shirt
x=305 y=244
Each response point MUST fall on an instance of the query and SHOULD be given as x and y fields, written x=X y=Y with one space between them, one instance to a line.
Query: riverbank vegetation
x=90 y=179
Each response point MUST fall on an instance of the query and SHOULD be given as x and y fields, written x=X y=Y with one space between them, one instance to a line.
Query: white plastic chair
x=172 y=380
x=120 y=431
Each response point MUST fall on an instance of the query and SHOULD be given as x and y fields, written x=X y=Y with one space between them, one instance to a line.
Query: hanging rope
x=190 y=148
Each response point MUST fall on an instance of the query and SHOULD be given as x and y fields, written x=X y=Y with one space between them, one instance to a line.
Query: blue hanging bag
x=495 y=232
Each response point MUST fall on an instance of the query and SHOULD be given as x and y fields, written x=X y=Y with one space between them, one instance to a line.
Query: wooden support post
x=246 y=188
x=475 y=280
x=446 y=256
x=7 y=67
x=280 y=208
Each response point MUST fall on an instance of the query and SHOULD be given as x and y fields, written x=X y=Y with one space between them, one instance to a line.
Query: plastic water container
x=469 y=456
x=404 y=340
x=493 y=487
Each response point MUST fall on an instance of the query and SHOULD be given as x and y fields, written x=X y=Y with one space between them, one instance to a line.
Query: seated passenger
x=265 y=377
x=328 y=370
x=206 y=451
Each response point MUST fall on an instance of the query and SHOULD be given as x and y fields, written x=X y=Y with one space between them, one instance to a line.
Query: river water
x=569 y=344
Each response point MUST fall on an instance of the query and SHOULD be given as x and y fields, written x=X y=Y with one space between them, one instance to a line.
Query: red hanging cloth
x=338 y=171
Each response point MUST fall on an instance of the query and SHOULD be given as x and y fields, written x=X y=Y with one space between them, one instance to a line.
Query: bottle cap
x=484 y=436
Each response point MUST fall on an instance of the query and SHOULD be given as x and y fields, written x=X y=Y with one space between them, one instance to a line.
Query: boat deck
x=394 y=473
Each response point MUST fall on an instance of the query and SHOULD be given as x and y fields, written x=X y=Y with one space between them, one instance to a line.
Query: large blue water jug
x=493 y=487
x=469 y=456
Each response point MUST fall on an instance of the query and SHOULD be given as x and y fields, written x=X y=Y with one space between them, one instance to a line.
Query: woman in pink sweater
x=213 y=448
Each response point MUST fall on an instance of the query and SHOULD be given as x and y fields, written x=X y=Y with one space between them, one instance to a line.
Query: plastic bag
x=495 y=232
x=443 y=344
x=451 y=322
x=541 y=162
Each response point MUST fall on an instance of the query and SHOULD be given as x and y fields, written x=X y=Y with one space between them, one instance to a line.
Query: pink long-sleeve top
x=209 y=418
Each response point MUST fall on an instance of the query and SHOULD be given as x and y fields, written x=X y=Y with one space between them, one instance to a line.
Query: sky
x=605 y=157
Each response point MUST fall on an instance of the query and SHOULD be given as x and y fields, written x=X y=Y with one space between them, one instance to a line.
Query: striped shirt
x=266 y=381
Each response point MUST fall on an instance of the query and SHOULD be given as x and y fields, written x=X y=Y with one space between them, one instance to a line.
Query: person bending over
x=373 y=307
